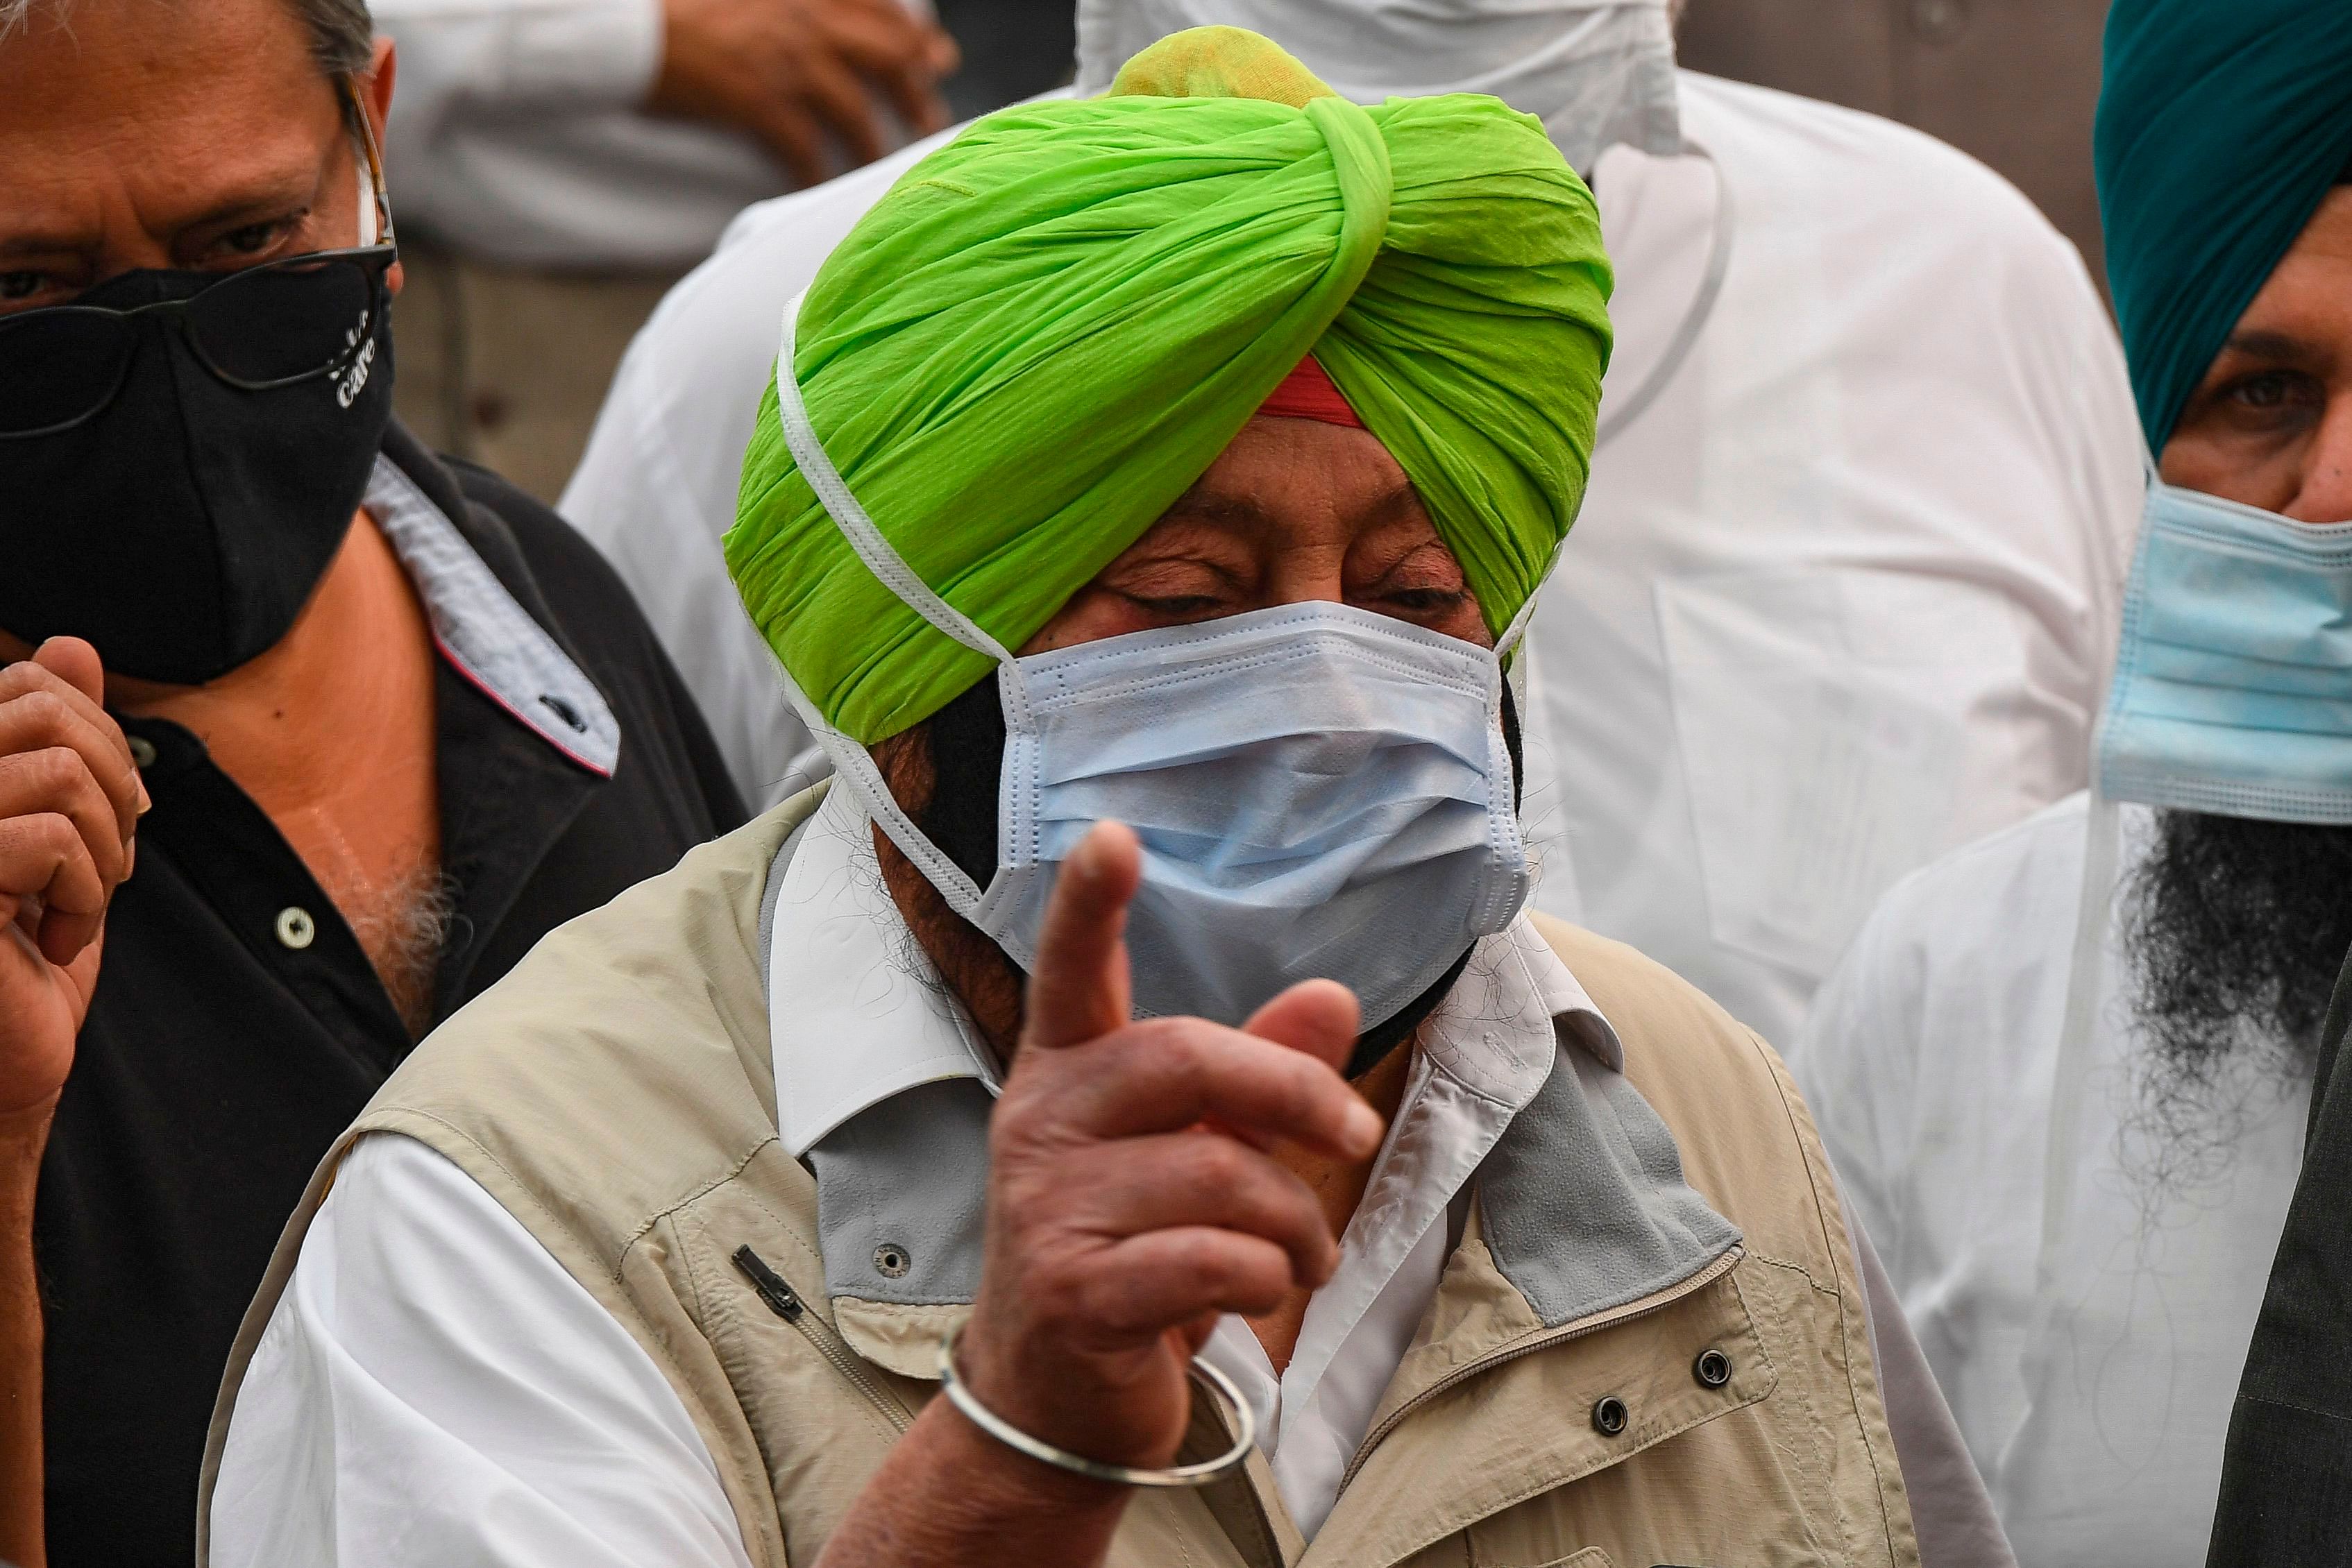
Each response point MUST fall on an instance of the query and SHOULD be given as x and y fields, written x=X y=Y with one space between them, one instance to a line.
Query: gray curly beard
x=2234 y=930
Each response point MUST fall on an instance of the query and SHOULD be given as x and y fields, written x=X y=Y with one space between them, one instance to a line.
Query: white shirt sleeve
x=434 y=1388
x=504 y=57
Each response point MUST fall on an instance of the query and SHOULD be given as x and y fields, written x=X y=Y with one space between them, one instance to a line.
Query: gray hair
x=341 y=34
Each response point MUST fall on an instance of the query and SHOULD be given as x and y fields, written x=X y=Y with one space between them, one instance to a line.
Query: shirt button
x=296 y=929
x=1712 y=1369
x=1610 y=1416
x=142 y=752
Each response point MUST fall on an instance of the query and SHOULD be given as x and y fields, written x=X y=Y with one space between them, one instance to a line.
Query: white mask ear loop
x=851 y=760
x=850 y=519
x=367 y=194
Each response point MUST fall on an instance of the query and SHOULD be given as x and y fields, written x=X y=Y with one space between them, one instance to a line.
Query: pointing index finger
x=1078 y=987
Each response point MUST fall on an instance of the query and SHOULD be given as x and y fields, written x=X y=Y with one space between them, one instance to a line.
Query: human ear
x=375 y=103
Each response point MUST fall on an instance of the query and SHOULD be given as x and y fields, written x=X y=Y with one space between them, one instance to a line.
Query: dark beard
x=965 y=740
x=2235 y=930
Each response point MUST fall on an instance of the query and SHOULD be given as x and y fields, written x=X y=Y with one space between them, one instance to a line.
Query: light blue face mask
x=2232 y=691
x=1321 y=792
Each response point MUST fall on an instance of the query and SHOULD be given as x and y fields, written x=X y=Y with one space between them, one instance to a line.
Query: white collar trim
x=856 y=1010
x=858 y=1014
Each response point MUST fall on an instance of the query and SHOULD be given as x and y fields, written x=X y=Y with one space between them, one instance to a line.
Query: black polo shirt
x=238 y=1026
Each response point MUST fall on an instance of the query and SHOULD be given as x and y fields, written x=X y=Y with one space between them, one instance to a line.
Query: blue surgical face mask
x=2232 y=691
x=1320 y=792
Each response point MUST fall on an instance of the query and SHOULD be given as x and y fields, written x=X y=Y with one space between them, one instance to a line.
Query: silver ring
x=1204 y=1473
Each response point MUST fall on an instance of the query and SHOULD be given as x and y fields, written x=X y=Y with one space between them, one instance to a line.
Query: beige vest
x=615 y=1093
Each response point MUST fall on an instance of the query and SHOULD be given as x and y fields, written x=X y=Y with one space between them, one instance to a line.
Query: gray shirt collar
x=487 y=637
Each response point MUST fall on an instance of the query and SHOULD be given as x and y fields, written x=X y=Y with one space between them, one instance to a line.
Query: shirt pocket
x=1838 y=726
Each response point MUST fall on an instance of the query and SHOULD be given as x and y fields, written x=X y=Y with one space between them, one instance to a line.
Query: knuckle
x=1014 y=1123
x=42 y=711
x=1221 y=1165
x=1061 y=1292
x=1173 y=1047
x=54 y=769
x=1303 y=1094
x=37 y=833
x=1103 y=1300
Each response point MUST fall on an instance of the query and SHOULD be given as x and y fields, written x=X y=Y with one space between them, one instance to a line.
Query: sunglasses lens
x=56 y=366
x=277 y=323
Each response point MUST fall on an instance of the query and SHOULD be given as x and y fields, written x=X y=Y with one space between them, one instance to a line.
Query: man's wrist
x=949 y=1495
x=1008 y=1481
x=24 y=1137
x=1039 y=1404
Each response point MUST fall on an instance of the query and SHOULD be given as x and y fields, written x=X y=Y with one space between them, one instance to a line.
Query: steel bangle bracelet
x=1204 y=1473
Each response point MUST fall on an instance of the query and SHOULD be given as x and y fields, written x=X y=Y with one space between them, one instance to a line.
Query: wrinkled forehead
x=134 y=80
x=115 y=108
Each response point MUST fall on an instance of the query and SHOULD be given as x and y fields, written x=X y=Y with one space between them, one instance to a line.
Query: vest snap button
x=1610 y=1416
x=296 y=929
x=142 y=752
x=891 y=1261
x=1713 y=1368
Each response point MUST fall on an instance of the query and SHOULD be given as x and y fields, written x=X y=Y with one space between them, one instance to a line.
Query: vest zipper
x=1578 y=1330
x=786 y=1304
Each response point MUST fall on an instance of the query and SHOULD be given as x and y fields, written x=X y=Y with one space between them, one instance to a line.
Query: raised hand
x=789 y=72
x=69 y=800
x=1130 y=1200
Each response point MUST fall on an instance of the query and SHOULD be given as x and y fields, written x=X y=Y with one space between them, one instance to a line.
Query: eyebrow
x=34 y=243
x=2274 y=346
x=271 y=193
x=1210 y=507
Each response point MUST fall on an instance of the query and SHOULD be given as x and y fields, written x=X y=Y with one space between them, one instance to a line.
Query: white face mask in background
x=1596 y=72
x=1321 y=792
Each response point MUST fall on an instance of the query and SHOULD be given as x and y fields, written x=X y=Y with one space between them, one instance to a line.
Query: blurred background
x=2012 y=82
x=544 y=213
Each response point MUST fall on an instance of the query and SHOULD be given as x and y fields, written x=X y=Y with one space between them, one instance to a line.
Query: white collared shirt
x=840 y=953
x=1479 y=1059
x=1930 y=1067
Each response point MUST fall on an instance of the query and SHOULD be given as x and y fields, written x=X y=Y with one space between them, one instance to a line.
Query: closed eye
x=1179 y=607
x=1428 y=601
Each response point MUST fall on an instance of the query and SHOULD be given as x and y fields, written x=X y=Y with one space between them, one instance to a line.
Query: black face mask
x=966 y=742
x=181 y=527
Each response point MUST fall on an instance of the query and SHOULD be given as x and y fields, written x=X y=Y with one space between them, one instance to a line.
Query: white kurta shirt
x=1928 y=1065
x=1838 y=599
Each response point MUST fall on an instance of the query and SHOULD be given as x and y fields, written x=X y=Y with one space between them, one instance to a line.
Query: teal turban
x=2222 y=126
x=1050 y=327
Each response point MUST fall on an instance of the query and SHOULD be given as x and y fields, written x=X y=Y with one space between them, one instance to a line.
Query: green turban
x=2222 y=126
x=1050 y=327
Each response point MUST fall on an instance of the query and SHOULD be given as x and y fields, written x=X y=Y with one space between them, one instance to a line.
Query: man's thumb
x=76 y=663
